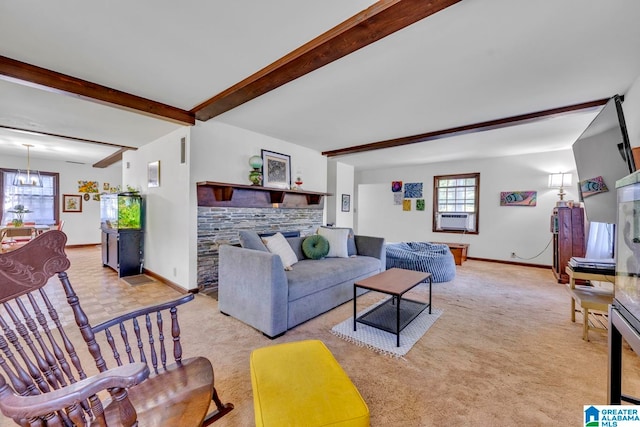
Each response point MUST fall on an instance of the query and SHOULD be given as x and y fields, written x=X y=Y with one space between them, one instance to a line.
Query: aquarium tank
x=121 y=211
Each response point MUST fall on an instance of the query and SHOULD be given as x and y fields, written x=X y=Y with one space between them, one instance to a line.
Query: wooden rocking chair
x=42 y=381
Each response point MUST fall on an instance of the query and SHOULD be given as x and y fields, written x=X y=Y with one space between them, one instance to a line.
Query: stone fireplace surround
x=225 y=209
x=220 y=226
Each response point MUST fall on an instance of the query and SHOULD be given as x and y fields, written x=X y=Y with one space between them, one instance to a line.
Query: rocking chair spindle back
x=42 y=380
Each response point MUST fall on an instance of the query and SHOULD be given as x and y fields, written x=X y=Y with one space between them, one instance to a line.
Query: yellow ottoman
x=302 y=384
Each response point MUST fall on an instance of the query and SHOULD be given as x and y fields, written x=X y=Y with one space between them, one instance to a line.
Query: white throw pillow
x=337 y=238
x=277 y=244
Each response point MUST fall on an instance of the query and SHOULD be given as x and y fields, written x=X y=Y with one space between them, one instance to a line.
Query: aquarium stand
x=122 y=250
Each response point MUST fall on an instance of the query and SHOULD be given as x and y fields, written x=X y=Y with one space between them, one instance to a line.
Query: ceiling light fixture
x=29 y=178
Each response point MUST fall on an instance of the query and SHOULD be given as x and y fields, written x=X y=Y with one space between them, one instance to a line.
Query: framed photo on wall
x=346 y=202
x=276 y=170
x=153 y=170
x=71 y=203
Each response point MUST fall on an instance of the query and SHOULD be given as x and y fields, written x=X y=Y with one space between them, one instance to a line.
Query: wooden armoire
x=567 y=226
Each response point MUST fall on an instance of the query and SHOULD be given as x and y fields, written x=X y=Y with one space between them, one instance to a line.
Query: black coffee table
x=396 y=313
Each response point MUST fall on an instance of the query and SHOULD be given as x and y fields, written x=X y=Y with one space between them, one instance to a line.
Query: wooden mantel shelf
x=219 y=194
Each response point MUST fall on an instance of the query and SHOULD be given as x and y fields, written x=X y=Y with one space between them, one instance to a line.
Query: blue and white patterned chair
x=434 y=258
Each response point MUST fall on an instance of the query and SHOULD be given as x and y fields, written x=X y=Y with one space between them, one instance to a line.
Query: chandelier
x=28 y=178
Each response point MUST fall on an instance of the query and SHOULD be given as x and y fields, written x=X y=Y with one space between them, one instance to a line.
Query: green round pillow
x=315 y=246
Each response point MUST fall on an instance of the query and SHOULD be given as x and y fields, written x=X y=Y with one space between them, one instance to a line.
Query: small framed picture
x=276 y=170
x=153 y=170
x=346 y=202
x=71 y=203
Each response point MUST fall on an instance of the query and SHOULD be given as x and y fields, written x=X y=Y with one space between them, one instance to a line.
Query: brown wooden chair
x=42 y=381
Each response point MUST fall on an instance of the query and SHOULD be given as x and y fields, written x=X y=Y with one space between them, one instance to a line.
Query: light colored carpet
x=503 y=353
x=384 y=342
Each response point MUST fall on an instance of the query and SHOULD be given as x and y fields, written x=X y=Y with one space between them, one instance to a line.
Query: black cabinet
x=122 y=250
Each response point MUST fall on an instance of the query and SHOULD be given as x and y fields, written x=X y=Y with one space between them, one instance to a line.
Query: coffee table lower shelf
x=387 y=317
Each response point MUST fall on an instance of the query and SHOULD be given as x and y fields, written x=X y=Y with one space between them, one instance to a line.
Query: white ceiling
x=473 y=62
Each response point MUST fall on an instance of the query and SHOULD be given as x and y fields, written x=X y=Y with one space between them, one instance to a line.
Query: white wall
x=168 y=249
x=523 y=230
x=83 y=227
x=340 y=181
x=221 y=153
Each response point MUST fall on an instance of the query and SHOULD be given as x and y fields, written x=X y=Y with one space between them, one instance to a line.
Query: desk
x=593 y=298
x=37 y=228
x=24 y=231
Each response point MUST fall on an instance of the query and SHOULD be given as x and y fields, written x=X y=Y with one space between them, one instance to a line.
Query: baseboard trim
x=145 y=271
x=168 y=282
x=83 y=245
x=500 y=261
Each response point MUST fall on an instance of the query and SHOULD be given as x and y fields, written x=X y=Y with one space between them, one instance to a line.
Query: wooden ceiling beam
x=115 y=157
x=41 y=78
x=107 y=161
x=57 y=135
x=472 y=128
x=372 y=24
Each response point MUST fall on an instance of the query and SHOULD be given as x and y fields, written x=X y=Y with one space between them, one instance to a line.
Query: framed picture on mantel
x=276 y=170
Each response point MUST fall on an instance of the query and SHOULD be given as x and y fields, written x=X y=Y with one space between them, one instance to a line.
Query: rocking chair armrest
x=141 y=312
x=24 y=407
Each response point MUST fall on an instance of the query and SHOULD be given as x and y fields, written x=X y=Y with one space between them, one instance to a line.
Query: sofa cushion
x=251 y=240
x=315 y=246
x=351 y=240
x=296 y=245
x=311 y=276
x=277 y=244
x=337 y=238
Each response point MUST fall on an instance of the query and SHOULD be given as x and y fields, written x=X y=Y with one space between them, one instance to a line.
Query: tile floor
x=103 y=295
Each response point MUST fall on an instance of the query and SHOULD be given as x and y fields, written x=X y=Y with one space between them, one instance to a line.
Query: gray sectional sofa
x=254 y=287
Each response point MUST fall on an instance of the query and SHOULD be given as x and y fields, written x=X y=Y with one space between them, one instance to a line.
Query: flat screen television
x=603 y=156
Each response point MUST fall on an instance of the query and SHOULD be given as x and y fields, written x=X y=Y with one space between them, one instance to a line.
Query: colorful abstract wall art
x=592 y=186
x=396 y=186
x=413 y=190
x=518 y=198
x=88 y=187
x=420 y=204
x=397 y=198
x=406 y=205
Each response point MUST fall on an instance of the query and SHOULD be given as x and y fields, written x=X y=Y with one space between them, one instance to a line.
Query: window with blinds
x=41 y=202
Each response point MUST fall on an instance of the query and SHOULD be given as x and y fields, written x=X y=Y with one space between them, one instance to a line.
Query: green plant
x=128 y=212
x=18 y=211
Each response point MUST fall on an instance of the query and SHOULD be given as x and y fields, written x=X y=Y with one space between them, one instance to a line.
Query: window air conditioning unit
x=462 y=221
